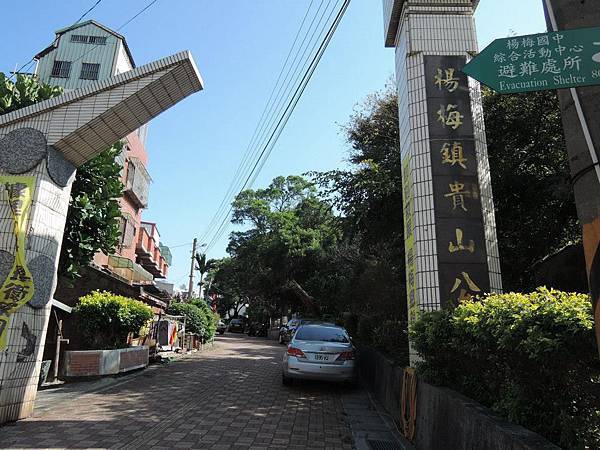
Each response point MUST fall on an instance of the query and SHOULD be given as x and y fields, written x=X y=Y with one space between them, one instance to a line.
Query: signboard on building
x=536 y=62
x=459 y=229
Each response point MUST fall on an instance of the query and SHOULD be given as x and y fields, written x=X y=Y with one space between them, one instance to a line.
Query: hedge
x=530 y=357
x=105 y=319
x=200 y=319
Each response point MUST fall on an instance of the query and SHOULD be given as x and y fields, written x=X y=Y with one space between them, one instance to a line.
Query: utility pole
x=191 y=285
x=580 y=117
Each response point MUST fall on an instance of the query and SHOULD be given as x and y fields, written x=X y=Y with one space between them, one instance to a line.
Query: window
x=322 y=334
x=61 y=69
x=89 y=71
x=83 y=39
x=98 y=40
x=79 y=38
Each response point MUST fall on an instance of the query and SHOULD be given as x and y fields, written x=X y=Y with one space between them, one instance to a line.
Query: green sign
x=538 y=62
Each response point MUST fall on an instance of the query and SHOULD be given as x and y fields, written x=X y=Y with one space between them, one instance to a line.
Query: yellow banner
x=18 y=287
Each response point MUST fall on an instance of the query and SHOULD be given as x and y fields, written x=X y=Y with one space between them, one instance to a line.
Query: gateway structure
x=41 y=147
x=450 y=235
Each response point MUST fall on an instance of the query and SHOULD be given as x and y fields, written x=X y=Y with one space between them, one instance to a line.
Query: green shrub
x=530 y=357
x=391 y=337
x=105 y=319
x=211 y=319
x=200 y=318
x=195 y=320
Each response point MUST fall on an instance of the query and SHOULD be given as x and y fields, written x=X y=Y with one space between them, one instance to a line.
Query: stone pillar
x=450 y=235
x=35 y=183
x=40 y=148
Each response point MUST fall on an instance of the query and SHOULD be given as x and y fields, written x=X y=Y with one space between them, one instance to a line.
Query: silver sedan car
x=319 y=352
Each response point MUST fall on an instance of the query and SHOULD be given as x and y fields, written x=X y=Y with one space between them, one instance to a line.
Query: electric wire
x=32 y=60
x=224 y=225
x=280 y=95
x=283 y=93
x=131 y=19
x=240 y=170
x=268 y=147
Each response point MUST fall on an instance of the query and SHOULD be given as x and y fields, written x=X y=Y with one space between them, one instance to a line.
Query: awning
x=126 y=268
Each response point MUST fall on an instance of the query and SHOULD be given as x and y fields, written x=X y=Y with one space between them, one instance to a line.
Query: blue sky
x=239 y=46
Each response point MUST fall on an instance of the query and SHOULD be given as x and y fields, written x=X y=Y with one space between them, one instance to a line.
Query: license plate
x=321 y=357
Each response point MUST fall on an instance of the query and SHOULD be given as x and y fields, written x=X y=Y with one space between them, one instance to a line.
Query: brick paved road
x=227 y=398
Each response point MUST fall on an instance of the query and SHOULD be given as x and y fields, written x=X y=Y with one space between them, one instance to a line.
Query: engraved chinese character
x=446 y=79
x=529 y=54
x=512 y=44
x=545 y=52
x=459 y=246
x=19 y=274
x=572 y=62
x=514 y=56
x=576 y=49
x=543 y=40
x=508 y=71
x=14 y=292
x=457 y=195
x=453 y=154
x=16 y=191
x=449 y=117
x=499 y=57
x=560 y=49
x=466 y=292
x=528 y=68
x=527 y=42
x=549 y=66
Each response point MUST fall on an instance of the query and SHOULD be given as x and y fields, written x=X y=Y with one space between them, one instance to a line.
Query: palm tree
x=204 y=266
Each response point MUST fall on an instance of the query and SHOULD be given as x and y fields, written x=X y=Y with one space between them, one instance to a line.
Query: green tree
x=535 y=208
x=25 y=91
x=204 y=266
x=93 y=218
x=366 y=273
x=94 y=212
x=289 y=230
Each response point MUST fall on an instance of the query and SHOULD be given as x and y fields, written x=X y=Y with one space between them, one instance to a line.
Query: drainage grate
x=384 y=445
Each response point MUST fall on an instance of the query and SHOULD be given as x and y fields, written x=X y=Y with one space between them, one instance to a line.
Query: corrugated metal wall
x=79 y=53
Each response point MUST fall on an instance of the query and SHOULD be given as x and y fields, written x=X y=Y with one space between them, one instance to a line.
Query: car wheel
x=286 y=381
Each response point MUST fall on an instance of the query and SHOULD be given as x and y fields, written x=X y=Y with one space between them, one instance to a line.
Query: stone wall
x=445 y=418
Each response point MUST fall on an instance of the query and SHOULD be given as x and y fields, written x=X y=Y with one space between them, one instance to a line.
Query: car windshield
x=325 y=334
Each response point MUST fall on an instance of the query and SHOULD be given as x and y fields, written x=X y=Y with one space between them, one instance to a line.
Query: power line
x=240 y=170
x=282 y=121
x=272 y=112
x=287 y=113
x=75 y=23
x=131 y=19
x=280 y=105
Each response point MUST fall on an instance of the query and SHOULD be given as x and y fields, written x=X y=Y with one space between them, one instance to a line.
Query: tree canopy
x=535 y=207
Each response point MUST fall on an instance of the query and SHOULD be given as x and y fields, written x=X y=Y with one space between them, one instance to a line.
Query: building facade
x=82 y=54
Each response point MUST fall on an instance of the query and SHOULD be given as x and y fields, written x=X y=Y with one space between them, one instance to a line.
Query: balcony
x=145 y=244
x=128 y=270
x=137 y=184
